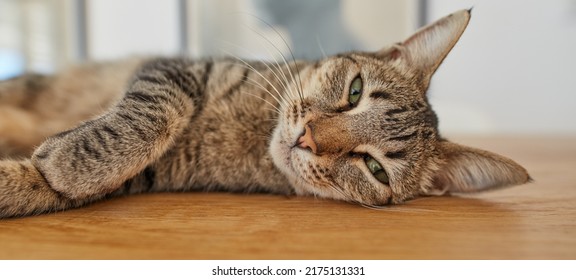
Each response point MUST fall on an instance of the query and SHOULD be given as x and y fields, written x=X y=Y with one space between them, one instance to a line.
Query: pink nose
x=306 y=140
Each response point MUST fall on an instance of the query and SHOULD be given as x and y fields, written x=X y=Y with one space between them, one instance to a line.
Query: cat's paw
x=23 y=191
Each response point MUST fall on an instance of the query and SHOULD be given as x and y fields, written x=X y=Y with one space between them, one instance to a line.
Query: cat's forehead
x=356 y=60
x=375 y=70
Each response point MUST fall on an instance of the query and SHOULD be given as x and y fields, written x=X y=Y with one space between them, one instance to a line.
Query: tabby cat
x=355 y=127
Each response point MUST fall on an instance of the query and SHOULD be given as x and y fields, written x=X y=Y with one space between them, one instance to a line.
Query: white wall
x=120 y=28
x=378 y=23
x=513 y=71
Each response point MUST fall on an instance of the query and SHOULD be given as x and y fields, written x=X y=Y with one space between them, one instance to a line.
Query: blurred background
x=513 y=71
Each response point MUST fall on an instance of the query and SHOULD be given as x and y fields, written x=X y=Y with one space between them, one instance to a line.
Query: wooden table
x=535 y=221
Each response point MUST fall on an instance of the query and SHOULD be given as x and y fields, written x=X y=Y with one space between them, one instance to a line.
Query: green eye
x=355 y=91
x=376 y=169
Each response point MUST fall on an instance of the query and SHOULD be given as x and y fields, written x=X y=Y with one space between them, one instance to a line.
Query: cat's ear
x=427 y=48
x=468 y=170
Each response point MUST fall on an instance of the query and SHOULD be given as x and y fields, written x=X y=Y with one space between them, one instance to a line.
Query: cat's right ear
x=425 y=50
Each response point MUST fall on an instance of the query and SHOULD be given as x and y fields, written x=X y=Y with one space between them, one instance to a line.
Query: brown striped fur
x=225 y=124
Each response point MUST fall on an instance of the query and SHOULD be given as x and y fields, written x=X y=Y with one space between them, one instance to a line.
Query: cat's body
x=354 y=127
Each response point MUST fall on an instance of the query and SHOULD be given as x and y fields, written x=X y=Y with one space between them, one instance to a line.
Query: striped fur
x=174 y=124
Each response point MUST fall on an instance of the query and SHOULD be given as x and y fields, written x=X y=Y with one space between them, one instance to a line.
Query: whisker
x=273 y=110
x=284 y=58
x=254 y=95
x=255 y=83
x=396 y=209
x=372 y=207
x=267 y=135
x=256 y=71
x=284 y=85
x=320 y=46
x=341 y=192
x=278 y=67
x=351 y=200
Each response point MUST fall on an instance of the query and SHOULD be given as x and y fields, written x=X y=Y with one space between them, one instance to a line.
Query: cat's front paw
x=23 y=191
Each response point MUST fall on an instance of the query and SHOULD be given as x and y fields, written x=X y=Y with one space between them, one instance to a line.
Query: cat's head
x=363 y=129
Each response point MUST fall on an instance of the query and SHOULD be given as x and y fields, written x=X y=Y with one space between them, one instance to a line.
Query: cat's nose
x=307 y=141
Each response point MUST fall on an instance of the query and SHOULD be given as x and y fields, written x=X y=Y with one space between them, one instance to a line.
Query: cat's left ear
x=427 y=48
x=468 y=170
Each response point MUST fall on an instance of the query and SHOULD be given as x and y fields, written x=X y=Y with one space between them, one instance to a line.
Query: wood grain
x=534 y=221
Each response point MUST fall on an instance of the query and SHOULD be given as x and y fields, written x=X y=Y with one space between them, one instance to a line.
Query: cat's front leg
x=23 y=191
x=97 y=157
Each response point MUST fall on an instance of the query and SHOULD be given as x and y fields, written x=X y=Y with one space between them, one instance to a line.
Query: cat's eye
x=376 y=169
x=355 y=91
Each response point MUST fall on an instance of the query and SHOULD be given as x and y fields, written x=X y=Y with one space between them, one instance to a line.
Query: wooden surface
x=535 y=221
